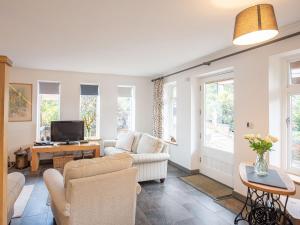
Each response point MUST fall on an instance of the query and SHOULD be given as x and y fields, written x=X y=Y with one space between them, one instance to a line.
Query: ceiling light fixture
x=255 y=24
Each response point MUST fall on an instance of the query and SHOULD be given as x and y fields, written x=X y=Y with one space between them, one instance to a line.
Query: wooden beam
x=5 y=62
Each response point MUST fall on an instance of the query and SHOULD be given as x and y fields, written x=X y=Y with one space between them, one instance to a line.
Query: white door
x=217 y=128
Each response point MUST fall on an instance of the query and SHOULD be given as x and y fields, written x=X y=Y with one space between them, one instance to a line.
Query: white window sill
x=93 y=139
x=295 y=178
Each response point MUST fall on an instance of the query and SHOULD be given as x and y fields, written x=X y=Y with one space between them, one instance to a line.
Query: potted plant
x=261 y=146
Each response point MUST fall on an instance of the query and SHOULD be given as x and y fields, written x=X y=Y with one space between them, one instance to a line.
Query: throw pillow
x=149 y=144
x=125 y=141
x=137 y=137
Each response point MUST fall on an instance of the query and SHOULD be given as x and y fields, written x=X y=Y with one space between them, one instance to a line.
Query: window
x=49 y=108
x=90 y=109
x=293 y=121
x=295 y=72
x=126 y=109
x=218 y=115
x=169 y=119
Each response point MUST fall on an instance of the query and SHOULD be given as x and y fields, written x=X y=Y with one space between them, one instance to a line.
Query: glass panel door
x=217 y=127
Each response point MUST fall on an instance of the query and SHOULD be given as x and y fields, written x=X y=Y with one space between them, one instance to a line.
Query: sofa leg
x=162 y=180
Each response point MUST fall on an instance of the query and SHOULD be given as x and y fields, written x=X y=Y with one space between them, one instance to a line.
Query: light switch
x=249 y=125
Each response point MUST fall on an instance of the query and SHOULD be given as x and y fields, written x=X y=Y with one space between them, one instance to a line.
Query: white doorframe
x=215 y=163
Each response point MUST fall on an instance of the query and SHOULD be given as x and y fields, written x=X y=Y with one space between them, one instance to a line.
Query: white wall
x=251 y=71
x=24 y=133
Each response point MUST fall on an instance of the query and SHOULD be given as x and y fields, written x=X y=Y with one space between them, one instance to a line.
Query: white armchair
x=94 y=191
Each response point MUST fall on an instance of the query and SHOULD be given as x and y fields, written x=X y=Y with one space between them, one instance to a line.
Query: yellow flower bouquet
x=261 y=146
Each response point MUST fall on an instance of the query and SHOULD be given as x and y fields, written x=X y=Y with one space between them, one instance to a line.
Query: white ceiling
x=130 y=37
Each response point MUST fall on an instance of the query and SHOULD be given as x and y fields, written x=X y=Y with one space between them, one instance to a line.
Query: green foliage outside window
x=124 y=113
x=49 y=111
x=295 y=126
x=219 y=103
x=88 y=113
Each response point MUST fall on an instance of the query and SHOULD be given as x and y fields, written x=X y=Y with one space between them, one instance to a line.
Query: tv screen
x=66 y=131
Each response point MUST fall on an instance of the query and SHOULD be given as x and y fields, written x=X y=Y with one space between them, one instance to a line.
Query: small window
x=48 y=108
x=126 y=109
x=295 y=72
x=90 y=109
x=218 y=122
x=169 y=112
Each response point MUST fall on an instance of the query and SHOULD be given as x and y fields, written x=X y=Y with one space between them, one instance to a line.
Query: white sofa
x=15 y=184
x=151 y=166
x=94 y=191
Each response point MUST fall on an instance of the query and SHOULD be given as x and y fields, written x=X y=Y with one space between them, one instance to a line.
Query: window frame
x=38 y=108
x=289 y=90
x=98 y=111
x=133 y=107
x=168 y=103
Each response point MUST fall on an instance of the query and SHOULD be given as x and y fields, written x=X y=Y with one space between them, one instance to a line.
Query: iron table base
x=263 y=208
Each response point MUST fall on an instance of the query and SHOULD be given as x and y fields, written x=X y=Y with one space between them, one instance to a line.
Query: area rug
x=232 y=204
x=22 y=201
x=208 y=186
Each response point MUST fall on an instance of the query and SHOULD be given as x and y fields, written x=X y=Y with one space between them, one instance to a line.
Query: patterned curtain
x=158 y=108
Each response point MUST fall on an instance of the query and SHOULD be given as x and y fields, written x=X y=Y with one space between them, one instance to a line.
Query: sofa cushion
x=137 y=137
x=96 y=166
x=149 y=157
x=149 y=144
x=125 y=141
x=112 y=151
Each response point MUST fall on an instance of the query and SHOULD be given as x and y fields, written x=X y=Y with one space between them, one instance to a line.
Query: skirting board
x=191 y=172
x=239 y=196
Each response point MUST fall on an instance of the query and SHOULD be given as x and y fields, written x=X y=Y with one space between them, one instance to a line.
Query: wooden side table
x=263 y=205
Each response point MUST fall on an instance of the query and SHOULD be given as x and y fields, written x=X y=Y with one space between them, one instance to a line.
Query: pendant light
x=255 y=24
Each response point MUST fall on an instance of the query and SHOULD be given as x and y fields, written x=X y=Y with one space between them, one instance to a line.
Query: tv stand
x=69 y=143
x=36 y=150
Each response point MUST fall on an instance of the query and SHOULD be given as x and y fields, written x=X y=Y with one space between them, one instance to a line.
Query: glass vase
x=261 y=165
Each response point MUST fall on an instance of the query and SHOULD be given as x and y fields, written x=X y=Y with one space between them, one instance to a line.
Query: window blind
x=125 y=92
x=87 y=89
x=49 y=88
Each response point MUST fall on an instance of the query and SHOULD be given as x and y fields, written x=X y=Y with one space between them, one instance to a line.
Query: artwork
x=20 y=102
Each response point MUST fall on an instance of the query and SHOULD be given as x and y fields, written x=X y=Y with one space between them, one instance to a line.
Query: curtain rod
x=229 y=55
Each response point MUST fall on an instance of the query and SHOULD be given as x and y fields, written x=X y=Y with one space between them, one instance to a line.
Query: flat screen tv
x=67 y=131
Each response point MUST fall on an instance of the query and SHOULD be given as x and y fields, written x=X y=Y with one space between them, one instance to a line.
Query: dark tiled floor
x=171 y=203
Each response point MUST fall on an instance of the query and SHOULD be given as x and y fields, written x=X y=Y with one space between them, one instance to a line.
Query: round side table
x=263 y=205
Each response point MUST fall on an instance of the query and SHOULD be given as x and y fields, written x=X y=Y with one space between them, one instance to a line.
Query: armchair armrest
x=149 y=157
x=55 y=185
x=109 y=143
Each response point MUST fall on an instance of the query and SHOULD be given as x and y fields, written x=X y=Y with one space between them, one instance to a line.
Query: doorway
x=217 y=127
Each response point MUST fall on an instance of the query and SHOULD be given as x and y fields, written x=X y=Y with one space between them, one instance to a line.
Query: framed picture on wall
x=20 y=102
